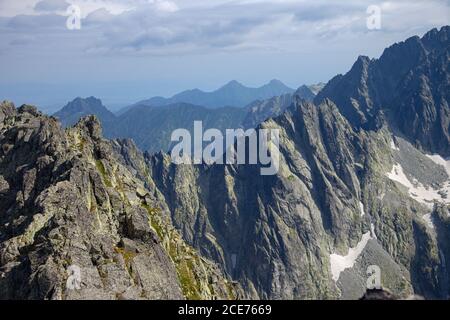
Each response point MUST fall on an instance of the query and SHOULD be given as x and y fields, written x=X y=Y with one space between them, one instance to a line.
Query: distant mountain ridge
x=151 y=126
x=79 y=107
x=233 y=94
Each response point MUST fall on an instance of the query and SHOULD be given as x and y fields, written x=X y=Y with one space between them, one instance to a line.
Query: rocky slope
x=68 y=199
x=151 y=127
x=259 y=111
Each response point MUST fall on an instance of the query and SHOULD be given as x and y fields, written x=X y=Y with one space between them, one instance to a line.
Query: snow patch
x=372 y=231
x=441 y=161
x=423 y=194
x=340 y=263
x=393 y=146
x=398 y=175
x=361 y=208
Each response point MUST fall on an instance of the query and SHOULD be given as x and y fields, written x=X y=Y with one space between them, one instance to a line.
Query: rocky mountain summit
x=68 y=200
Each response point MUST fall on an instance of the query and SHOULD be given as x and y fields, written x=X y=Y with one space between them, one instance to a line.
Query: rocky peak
x=79 y=107
x=7 y=109
x=409 y=83
x=32 y=110
x=436 y=39
x=233 y=84
x=90 y=125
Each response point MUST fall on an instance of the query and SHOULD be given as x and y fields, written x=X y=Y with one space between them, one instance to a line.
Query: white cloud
x=250 y=39
x=164 y=26
x=51 y=5
x=166 y=6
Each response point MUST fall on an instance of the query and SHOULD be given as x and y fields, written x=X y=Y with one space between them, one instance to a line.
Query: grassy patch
x=179 y=252
x=153 y=220
x=128 y=257
x=81 y=145
x=102 y=170
x=188 y=282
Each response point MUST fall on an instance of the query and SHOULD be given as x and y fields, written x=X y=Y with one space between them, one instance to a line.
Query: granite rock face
x=67 y=203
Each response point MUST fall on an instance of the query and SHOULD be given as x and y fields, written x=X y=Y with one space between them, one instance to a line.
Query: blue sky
x=129 y=50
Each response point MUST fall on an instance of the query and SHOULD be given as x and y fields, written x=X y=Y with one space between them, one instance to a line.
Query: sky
x=129 y=50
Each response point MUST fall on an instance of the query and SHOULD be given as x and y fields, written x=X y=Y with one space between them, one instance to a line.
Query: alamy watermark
x=73 y=21
x=237 y=147
x=374 y=277
x=74 y=280
x=373 y=21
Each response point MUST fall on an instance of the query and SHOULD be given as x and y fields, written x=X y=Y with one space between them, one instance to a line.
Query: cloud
x=166 y=27
x=32 y=24
x=159 y=26
x=153 y=47
x=320 y=11
x=99 y=16
x=239 y=25
x=51 y=5
x=166 y=6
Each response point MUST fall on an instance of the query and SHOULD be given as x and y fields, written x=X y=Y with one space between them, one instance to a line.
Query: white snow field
x=340 y=263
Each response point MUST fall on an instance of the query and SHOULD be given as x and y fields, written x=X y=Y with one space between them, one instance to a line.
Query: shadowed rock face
x=66 y=200
x=410 y=83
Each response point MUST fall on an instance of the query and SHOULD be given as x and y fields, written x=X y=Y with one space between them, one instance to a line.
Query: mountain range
x=151 y=126
x=363 y=184
x=233 y=94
